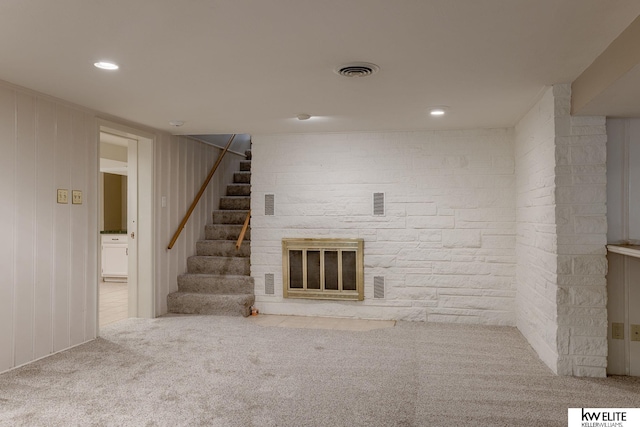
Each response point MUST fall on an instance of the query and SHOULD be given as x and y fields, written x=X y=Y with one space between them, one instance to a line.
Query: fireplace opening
x=323 y=268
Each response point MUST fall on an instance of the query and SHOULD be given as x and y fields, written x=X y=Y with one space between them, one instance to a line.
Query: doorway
x=113 y=224
x=126 y=261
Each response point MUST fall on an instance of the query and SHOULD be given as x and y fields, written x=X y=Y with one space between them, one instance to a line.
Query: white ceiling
x=233 y=66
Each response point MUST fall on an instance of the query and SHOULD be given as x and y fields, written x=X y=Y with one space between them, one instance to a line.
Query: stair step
x=239 y=190
x=235 y=203
x=215 y=284
x=229 y=216
x=226 y=248
x=219 y=265
x=225 y=232
x=242 y=178
x=245 y=165
x=197 y=303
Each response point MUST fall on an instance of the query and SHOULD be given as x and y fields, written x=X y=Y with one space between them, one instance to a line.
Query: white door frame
x=141 y=274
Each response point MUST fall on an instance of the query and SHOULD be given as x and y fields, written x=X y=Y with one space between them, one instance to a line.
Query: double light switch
x=63 y=196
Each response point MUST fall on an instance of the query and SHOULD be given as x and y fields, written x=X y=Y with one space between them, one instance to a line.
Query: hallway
x=113 y=302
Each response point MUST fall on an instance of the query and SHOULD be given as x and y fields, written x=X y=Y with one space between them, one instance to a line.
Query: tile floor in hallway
x=113 y=302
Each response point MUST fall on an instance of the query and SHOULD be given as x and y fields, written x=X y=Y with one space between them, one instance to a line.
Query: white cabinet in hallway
x=114 y=257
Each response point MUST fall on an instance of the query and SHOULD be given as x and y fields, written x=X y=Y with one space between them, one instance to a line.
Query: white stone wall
x=446 y=246
x=561 y=215
x=537 y=244
x=581 y=216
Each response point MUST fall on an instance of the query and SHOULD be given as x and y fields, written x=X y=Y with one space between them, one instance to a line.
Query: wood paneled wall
x=48 y=253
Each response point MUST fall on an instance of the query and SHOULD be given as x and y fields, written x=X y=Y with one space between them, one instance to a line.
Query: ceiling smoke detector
x=357 y=69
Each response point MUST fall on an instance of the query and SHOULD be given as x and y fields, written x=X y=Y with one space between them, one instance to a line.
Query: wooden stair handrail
x=200 y=193
x=244 y=230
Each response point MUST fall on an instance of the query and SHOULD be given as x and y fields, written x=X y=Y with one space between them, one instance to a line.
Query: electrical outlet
x=63 y=196
x=635 y=332
x=617 y=331
x=76 y=197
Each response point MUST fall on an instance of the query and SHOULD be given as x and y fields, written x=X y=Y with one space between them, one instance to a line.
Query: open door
x=132 y=225
x=140 y=218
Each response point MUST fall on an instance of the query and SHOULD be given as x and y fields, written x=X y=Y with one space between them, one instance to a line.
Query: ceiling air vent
x=357 y=69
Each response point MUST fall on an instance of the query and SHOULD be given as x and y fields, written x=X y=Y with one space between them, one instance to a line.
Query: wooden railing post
x=200 y=193
x=244 y=230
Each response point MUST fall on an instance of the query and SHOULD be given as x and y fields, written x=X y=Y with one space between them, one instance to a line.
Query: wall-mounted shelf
x=629 y=250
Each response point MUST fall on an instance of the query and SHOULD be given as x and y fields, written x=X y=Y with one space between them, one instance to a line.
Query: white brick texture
x=561 y=235
x=468 y=215
x=445 y=244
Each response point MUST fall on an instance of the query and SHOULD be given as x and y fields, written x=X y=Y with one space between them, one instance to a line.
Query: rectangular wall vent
x=268 y=284
x=269 y=204
x=378 y=286
x=378 y=204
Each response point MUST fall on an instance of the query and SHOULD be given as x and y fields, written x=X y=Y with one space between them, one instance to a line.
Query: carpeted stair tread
x=226 y=248
x=229 y=216
x=242 y=177
x=239 y=190
x=235 y=203
x=214 y=304
x=225 y=232
x=245 y=165
x=215 y=284
x=218 y=265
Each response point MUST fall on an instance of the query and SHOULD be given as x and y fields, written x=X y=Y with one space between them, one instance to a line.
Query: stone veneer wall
x=537 y=245
x=561 y=215
x=581 y=215
x=446 y=246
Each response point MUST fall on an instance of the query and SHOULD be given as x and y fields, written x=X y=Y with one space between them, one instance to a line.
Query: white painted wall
x=446 y=245
x=561 y=199
x=48 y=258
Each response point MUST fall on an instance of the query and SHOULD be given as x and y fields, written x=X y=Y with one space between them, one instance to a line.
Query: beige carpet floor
x=222 y=371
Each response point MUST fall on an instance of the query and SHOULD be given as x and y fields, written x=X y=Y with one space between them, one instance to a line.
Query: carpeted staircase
x=218 y=278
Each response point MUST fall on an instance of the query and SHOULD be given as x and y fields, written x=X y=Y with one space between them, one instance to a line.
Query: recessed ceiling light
x=176 y=123
x=303 y=116
x=438 y=111
x=106 y=65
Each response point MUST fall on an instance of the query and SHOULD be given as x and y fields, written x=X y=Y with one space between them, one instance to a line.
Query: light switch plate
x=617 y=331
x=635 y=333
x=76 y=197
x=63 y=196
